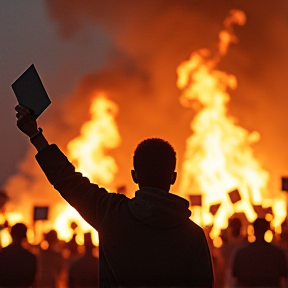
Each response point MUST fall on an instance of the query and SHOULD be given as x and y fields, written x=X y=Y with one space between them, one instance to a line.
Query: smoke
x=151 y=38
x=148 y=41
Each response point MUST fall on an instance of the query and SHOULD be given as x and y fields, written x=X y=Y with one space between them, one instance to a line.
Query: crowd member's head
x=260 y=226
x=18 y=232
x=235 y=226
x=88 y=242
x=51 y=237
x=154 y=164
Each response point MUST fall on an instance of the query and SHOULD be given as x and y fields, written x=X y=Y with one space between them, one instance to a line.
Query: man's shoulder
x=195 y=226
x=258 y=247
x=27 y=253
x=17 y=250
x=195 y=230
x=276 y=249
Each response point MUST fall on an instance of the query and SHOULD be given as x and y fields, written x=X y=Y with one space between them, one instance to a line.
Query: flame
x=88 y=153
x=65 y=232
x=14 y=217
x=218 y=156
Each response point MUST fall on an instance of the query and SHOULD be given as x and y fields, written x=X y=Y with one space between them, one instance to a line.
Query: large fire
x=218 y=157
x=89 y=154
x=89 y=151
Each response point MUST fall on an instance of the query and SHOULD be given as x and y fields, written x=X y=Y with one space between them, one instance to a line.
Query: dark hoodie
x=147 y=241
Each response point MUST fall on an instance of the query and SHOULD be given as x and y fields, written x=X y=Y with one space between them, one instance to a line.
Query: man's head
x=18 y=232
x=154 y=163
x=235 y=225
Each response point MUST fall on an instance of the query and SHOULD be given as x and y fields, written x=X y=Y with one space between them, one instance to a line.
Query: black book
x=30 y=91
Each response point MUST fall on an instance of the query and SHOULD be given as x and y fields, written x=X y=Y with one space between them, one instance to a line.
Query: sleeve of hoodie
x=88 y=199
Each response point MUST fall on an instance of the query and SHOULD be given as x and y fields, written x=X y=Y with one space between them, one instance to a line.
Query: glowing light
x=278 y=230
x=250 y=230
x=80 y=239
x=89 y=154
x=89 y=151
x=269 y=217
x=65 y=218
x=2 y=219
x=5 y=238
x=268 y=237
x=219 y=157
x=251 y=238
x=217 y=242
x=44 y=245
x=12 y=218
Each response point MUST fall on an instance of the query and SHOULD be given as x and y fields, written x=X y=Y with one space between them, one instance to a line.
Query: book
x=30 y=91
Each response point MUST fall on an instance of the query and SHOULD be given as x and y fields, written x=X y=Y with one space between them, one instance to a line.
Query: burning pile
x=89 y=154
x=218 y=157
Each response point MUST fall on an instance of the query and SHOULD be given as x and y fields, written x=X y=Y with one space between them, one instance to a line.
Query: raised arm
x=88 y=199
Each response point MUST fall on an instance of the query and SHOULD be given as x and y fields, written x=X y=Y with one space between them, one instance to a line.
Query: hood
x=159 y=208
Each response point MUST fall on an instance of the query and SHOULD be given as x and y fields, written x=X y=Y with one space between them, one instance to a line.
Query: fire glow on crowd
x=218 y=157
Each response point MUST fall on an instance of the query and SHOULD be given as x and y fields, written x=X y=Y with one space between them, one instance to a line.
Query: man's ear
x=134 y=176
x=173 y=178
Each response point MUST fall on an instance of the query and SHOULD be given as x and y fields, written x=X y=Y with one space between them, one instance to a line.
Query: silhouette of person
x=146 y=241
x=17 y=265
x=72 y=246
x=259 y=264
x=50 y=262
x=234 y=240
x=84 y=272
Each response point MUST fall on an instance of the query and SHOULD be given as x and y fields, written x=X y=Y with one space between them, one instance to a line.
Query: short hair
x=18 y=231
x=154 y=161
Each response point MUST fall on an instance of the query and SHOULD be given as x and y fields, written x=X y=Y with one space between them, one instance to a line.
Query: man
x=259 y=264
x=147 y=241
x=51 y=262
x=17 y=265
x=234 y=240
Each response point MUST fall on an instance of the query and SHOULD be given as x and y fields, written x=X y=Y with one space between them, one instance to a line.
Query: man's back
x=145 y=241
x=17 y=266
x=150 y=241
x=259 y=264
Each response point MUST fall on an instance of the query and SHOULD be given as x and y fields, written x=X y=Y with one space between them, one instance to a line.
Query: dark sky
x=132 y=49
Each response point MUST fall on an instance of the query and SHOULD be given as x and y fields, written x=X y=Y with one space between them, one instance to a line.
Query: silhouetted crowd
x=51 y=264
x=54 y=263
x=254 y=262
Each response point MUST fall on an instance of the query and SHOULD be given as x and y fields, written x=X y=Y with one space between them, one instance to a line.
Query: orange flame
x=88 y=152
x=218 y=155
